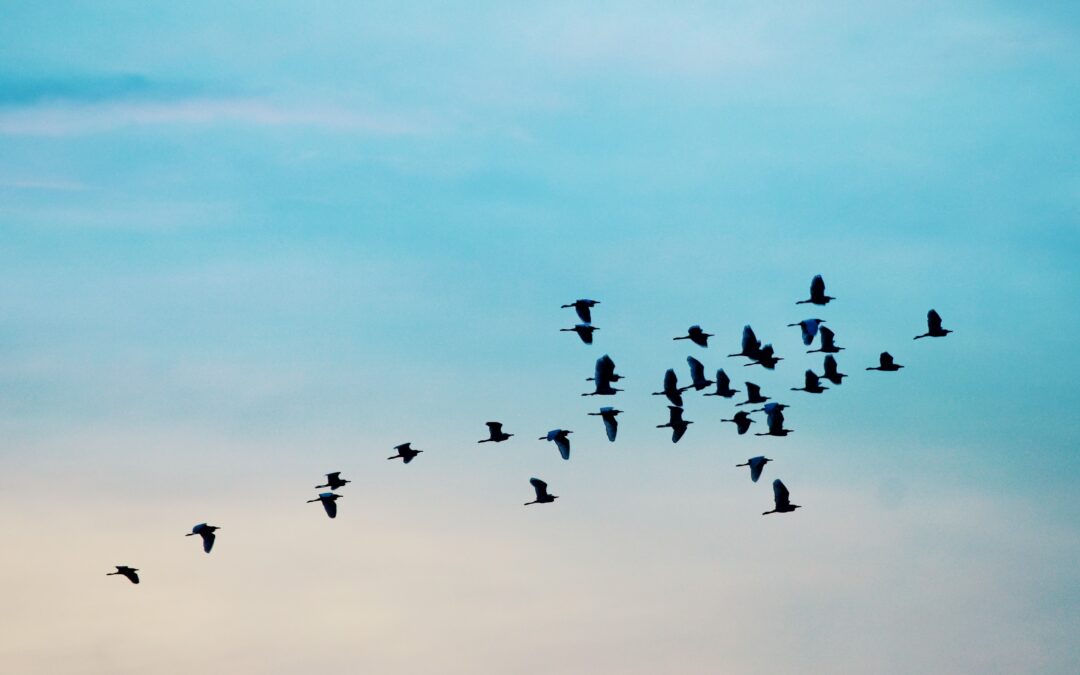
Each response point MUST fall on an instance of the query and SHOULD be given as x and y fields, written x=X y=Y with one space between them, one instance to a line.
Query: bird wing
x=583 y=311
x=331 y=507
x=563 y=444
x=753 y=391
x=677 y=432
x=494 y=428
x=886 y=359
x=810 y=380
x=827 y=337
x=723 y=382
x=408 y=455
x=697 y=371
x=208 y=540
x=830 y=365
x=132 y=575
x=540 y=487
x=585 y=333
x=611 y=426
x=333 y=477
x=933 y=321
x=750 y=343
x=671 y=381
x=776 y=420
x=817 y=287
x=605 y=369
x=756 y=466
x=780 y=494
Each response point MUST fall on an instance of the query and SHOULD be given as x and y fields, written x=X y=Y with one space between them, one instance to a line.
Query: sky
x=244 y=246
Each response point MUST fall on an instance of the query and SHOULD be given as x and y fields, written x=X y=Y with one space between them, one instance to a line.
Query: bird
x=671 y=388
x=742 y=421
x=582 y=308
x=751 y=346
x=828 y=343
x=207 y=533
x=696 y=335
x=405 y=453
x=723 y=385
x=697 y=375
x=129 y=572
x=775 y=422
x=887 y=364
x=809 y=329
x=756 y=464
x=328 y=500
x=583 y=330
x=782 y=499
x=562 y=442
x=817 y=293
x=812 y=384
x=768 y=408
x=933 y=326
x=542 y=494
x=495 y=433
x=831 y=373
x=334 y=481
x=765 y=357
x=603 y=375
x=753 y=395
x=676 y=422
x=611 y=425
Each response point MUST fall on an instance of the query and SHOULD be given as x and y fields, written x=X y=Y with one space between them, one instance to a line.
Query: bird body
x=742 y=421
x=812 y=384
x=697 y=374
x=723 y=385
x=583 y=307
x=809 y=329
x=671 y=388
x=584 y=331
x=696 y=335
x=781 y=499
x=933 y=326
x=886 y=363
x=125 y=571
x=329 y=502
x=817 y=293
x=207 y=533
x=561 y=439
x=334 y=481
x=542 y=494
x=495 y=433
x=405 y=453
x=611 y=425
x=757 y=465
x=676 y=422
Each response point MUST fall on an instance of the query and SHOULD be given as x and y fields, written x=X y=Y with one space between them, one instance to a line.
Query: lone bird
x=334 y=481
x=753 y=395
x=611 y=425
x=207 y=533
x=831 y=373
x=329 y=502
x=696 y=335
x=776 y=424
x=671 y=388
x=723 y=385
x=765 y=357
x=751 y=346
x=817 y=293
x=886 y=363
x=676 y=422
x=542 y=494
x=812 y=384
x=561 y=439
x=495 y=433
x=757 y=465
x=405 y=453
x=582 y=308
x=129 y=572
x=828 y=343
x=697 y=375
x=933 y=326
x=809 y=329
x=742 y=421
x=603 y=375
x=782 y=499
x=583 y=330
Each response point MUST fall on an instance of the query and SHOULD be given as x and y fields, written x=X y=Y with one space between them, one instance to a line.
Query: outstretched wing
x=583 y=312
x=540 y=487
x=723 y=382
x=933 y=321
x=817 y=287
x=780 y=495
x=331 y=507
x=494 y=428
x=886 y=359
x=563 y=444
x=827 y=338
x=611 y=425
x=697 y=373
x=208 y=540
x=757 y=464
x=750 y=343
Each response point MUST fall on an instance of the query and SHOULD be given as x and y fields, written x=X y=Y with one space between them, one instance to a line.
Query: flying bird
x=751 y=346
x=812 y=384
x=603 y=375
x=765 y=357
x=129 y=572
x=611 y=425
x=334 y=481
x=817 y=293
x=723 y=385
x=697 y=375
x=886 y=363
x=742 y=421
x=405 y=453
x=495 y=433
x=561 y=439
x=583 y=330
x=542 y=494
x=782 y=499
x=676 y=422
x=207 y=533
x=933 y=326
x=770 y=408
x=776 y=424
x=757 y=465
x=832 y=374
x=329 y=502
x=582 y=308
x=828 y=343
x=753 y=395
x=671 y=388
x=809 y=329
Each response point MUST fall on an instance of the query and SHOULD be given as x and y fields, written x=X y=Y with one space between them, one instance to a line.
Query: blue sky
x=244 y=247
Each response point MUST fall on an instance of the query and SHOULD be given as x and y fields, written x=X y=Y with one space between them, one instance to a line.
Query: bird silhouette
x=583 y=307
x=933 y=326
x=742 y=421
x=603 y=375
x=770 y=408
x=751 y=346
x=334 y=481
x=696 y=335
x=329 y=502
x=757 y=465
x=561 y=439
x=817 y=293
x=611 y=425
x=828 y=343
x=812 y=384
x=775 y=423
x=809 y=329
x=782 y=499
x=753 y=395
x=207 y=533
x=125 y=571
x=542 y=494
x=723 y=385
x=697 y=375
x=405 y=453
x=583 y=330
x=671 y=388
x=766 y=358
x=495 y=433
x=831 y=373
x=886 y=363
x=676 y=422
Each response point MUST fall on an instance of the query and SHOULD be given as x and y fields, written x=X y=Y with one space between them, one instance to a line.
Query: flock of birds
x=604 y=377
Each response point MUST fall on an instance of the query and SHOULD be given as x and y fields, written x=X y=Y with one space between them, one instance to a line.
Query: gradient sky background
x=242 y=247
